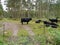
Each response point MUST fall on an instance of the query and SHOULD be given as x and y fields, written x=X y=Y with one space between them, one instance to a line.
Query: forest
x=42 y=27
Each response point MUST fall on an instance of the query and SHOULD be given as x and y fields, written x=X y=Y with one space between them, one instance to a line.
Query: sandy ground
x=11 y=26
x=15 y=27
x=26 y=27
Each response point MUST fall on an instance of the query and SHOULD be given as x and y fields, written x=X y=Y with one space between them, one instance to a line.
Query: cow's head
x=30 y=18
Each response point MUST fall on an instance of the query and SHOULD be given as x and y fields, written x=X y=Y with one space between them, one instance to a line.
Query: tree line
x=30 y=8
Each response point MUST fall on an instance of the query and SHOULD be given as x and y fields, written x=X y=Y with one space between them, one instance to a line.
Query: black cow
x=47 y=24
x=54 y=20
x=53 y=25
x=37 y=21
x=25 y=20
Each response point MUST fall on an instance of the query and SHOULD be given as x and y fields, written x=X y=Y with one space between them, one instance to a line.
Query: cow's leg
x=56 y=21
x=27 y=22
x=22 y=22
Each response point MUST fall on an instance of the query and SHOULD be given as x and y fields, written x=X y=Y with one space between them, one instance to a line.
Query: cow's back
x=25 y=19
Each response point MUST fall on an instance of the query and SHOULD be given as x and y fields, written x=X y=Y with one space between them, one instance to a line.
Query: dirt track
x=26 y=27
x=15 y=27
x=11 y=26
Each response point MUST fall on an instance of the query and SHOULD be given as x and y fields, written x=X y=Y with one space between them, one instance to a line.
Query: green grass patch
x=22 y=32
x=36 y=28
x=4 y=38
x=7 y=33
x=9 y=20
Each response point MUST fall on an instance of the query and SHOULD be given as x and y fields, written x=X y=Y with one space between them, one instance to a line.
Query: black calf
x=54 y=20
x=37 y=21
x=25 y=20
x=53 y=25
x=47 y=24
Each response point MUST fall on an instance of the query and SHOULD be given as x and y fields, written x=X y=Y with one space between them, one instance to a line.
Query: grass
x=7 y=33
x=4 y=35
x=1 y=39
x=9 y=20
x=51 y=34
x=37 y=28
x=22 y=32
